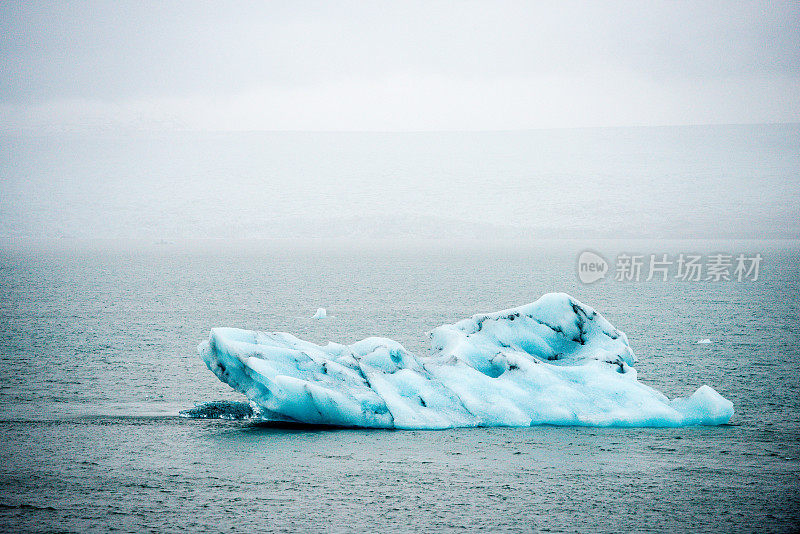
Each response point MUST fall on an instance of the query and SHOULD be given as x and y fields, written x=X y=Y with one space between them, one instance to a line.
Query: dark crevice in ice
x=580 y=318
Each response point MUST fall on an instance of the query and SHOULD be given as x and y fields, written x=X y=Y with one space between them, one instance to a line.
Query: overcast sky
x=116 y=66
x=396 y=65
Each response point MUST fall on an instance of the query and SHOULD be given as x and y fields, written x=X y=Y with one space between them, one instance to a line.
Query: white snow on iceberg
x=555 y=361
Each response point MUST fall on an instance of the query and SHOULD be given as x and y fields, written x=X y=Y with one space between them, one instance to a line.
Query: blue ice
x=555 y=361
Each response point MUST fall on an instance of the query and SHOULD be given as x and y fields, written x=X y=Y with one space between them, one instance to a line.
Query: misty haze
x=655 y=182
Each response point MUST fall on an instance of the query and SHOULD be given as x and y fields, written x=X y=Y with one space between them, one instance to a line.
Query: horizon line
x=46 y=132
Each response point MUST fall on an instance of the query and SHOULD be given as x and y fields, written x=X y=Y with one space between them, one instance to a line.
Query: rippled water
x=98 y=350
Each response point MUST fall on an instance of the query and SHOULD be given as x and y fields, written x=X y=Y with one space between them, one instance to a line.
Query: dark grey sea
x=98 y=354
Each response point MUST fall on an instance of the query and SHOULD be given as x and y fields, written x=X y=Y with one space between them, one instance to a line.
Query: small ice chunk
x=321 y=313
x=219 y=410
x=704 y=341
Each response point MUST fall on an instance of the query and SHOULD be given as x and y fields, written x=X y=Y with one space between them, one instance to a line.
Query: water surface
x=99 y=351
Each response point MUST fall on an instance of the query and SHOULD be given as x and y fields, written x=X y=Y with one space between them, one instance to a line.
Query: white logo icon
x=591 y=267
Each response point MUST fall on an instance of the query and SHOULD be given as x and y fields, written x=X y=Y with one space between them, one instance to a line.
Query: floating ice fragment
x=555 y=361
x=219 y=410
x=704 y=342
x=321 y=314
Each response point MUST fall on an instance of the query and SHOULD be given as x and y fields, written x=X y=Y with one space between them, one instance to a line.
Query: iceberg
x=320 y=314
x=555 y=361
